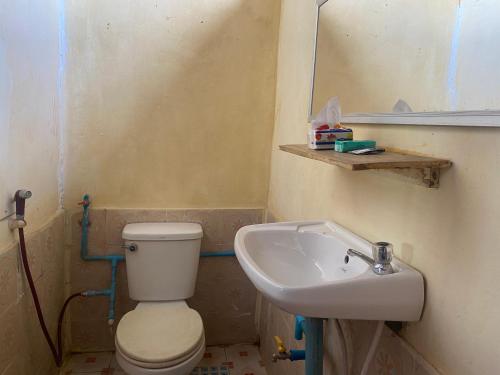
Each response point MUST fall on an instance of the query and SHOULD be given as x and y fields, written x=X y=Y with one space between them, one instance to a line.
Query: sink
x=300 y=267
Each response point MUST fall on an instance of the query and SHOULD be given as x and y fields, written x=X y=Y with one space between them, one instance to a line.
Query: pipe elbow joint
x=299 y=327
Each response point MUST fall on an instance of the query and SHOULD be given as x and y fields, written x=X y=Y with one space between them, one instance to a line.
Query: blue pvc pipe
x=112 y=296
x=84 y=242
x=97 y=293
x=297 y=355
x=114 y=259
x=213 y=254
x=299 y=327
x=314 y=346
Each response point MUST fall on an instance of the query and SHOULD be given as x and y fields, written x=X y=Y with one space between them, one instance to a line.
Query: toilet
x=162 y=335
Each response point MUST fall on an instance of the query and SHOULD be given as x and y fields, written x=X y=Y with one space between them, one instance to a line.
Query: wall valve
x=284 y=354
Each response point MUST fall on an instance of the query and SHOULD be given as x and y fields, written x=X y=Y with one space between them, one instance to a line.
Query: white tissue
x=401 y=107
x=330 y=115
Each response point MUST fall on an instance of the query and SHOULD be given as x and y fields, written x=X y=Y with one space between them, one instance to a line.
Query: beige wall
x=170 y=104
x=449 y=234
x=29 y=102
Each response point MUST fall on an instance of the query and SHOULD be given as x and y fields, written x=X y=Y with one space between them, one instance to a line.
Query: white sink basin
x=300 y=267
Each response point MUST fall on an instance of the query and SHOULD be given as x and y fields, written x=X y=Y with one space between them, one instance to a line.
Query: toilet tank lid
x=162 y=231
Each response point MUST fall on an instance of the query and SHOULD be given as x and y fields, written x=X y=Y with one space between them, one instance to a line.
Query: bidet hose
x=373 y=347
x=57 y=352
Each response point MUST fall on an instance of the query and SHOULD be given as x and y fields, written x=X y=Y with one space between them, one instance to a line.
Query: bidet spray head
x=20 y=199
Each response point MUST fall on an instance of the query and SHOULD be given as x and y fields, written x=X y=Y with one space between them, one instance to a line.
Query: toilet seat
x=159 y=334
x=162 y=365
x=182 y=368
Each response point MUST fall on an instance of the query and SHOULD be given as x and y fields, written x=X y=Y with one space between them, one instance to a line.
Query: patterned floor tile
x=217 y=360
x=87 y=363
x=245 y=359
x=214 y=356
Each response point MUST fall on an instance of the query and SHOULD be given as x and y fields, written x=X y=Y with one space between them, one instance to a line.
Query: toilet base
x=183 y=368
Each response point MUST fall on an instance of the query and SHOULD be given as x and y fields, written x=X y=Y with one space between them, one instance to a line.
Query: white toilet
x=162 y=335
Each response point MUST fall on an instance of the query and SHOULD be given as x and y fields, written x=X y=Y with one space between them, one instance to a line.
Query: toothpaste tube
x=346 y=146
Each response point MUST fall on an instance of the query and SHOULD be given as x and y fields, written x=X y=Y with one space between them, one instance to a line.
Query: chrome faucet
x=382 y=257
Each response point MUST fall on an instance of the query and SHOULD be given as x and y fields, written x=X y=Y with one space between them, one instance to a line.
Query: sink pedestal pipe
x=314 y=346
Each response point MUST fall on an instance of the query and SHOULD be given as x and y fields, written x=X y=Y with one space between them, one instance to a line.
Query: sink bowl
x=300 y=267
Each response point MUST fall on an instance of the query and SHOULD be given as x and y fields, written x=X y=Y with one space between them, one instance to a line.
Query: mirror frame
x=486 y=118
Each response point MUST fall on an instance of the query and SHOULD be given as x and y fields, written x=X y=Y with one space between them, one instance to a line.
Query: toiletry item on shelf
x=325 y=139
x=368 y=151
x=326 y=129
x=346 y=146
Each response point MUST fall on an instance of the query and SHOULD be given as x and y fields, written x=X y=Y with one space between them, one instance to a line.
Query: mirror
x=399 y=61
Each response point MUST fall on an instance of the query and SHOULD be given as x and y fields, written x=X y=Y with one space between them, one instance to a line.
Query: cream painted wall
x=29 y=109
x=449 y=234
x=170 y=104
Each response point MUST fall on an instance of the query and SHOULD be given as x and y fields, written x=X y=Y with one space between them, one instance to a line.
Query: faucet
x=382 y=257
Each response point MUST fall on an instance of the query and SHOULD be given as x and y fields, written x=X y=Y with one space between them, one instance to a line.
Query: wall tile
x=223 y=288
x=96 y=230
x=92 y=335
x=424 y=368
x=233 y=220
x=13 y=368
x=391 y=356
x=88 y=274
x=116 y=219
x=10 y=329
x=222 y=328
x=35 y=257
x=8 y=279
x=209 y=219
x=219 y=225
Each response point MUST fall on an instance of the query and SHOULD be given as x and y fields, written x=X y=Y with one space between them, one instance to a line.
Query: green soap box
x=346 y=146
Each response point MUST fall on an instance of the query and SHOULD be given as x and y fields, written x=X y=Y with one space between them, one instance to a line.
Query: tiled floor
x=218 y=360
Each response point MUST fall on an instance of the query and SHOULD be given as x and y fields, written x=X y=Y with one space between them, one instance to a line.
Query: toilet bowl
x=162 y=335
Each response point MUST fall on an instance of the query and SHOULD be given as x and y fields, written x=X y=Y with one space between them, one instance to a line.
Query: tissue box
x=325 y=139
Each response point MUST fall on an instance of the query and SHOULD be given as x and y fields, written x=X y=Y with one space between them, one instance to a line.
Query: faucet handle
x=382 y=252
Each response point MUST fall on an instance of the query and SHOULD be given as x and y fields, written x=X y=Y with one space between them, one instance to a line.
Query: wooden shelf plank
x=386 y=160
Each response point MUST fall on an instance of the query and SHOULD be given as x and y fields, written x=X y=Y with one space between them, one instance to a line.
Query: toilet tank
x=162 y=260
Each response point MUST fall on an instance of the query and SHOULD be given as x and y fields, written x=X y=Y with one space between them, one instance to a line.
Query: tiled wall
x=23 y=350
x=393 y=356
x=224 y=296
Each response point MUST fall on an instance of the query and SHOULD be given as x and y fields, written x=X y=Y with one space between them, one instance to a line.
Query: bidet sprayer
x=20 y=199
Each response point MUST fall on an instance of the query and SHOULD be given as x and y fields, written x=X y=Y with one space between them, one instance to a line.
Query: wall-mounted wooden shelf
x=389 y=160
